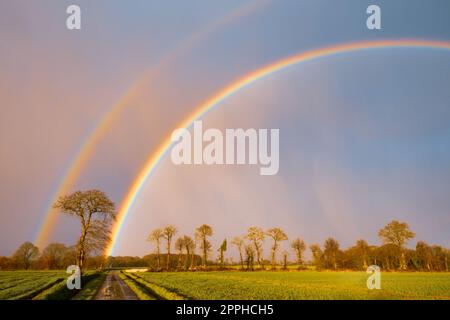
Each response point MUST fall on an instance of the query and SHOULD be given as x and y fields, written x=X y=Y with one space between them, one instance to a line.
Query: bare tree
x=299 y=247
x=180 y=245
x=256 y=236
x=331 y=249
x=239 y=243
x=95 y=212
x=189 y=244
x=53 y=255
x=446 y=258
x=249 y=256
x=285 y=256
x=363 y=249
x=168 y=233
x=317 y=254
x=193 y=246
x=201 y=233
x=398 y=234
x=277 y=235
x=25 y=254
x=424 y=255
x=221 y=250
x=156 y=236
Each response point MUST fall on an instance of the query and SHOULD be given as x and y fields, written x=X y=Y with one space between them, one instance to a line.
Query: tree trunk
x=274 y=253
x=180 y=259
x=446 y=263
x=334 y=261
x=364 y=262
x=242 y=260
x=204 y=252
x=187 y=259
x=168 y=255
x=258 y=254
x=81 y=256
x=299 y=258
x=158 y=257
x=402 y=261
x=221 y=259
x=193 y=260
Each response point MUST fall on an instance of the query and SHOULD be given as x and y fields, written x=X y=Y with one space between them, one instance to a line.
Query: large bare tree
x=168 y=233
x=95 y=212
x=256 y=236
x=277 y=235
x=202 y=233
x=156 y=236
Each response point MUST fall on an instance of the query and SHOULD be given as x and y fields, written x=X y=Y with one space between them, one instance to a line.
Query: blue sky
x=364 y=136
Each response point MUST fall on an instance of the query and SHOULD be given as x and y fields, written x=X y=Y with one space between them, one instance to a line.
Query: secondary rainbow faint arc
x=75 y=167
x=234 y=87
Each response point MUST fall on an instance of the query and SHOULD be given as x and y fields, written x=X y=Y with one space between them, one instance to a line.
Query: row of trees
x=391 y=255
x=55 y=256
x=96 y=212
x=185 y=245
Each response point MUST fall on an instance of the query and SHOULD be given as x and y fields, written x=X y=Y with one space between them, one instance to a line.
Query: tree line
x=96 y=213
x=195 y=253
x=391 y=255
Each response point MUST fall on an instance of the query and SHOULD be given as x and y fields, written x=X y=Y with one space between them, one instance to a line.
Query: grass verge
x=154 y=290
x=142 y=293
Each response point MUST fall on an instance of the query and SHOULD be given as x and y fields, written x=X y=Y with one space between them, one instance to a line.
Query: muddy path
x=114 y=288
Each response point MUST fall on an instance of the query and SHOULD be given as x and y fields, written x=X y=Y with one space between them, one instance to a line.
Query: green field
x=232 y=285
x=296 y=285
x=45 y=285
x=27 y=284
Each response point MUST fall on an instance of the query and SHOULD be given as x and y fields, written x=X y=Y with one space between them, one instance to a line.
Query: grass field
x=27 y=284
x=296 y=285
x=232 y=285
x=45 y=285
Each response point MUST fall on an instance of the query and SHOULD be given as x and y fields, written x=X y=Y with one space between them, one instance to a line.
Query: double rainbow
x=87 y=149
x=157 y=155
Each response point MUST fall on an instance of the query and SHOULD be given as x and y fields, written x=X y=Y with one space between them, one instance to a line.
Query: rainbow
x=75 y=168
x=157 y=155
x=84 y=153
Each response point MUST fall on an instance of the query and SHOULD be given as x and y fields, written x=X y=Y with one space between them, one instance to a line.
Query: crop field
x=295 y=285
x=231 y=285
x=46 y=285
x=27 y=284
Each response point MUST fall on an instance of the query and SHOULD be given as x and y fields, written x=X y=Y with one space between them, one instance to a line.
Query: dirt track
x=114 y=288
